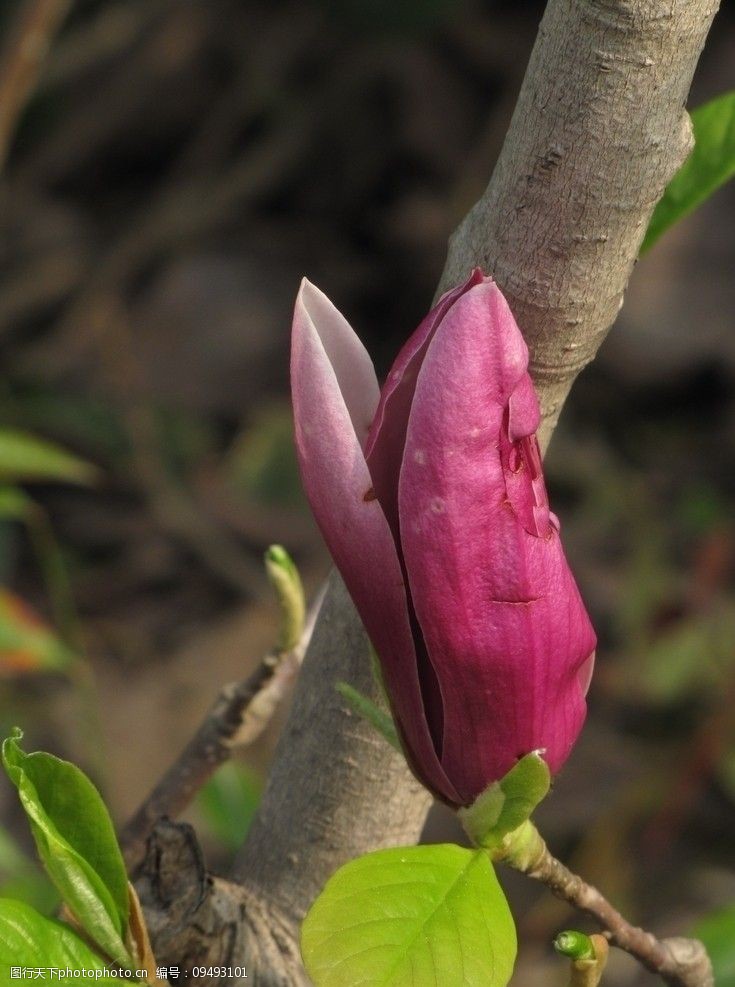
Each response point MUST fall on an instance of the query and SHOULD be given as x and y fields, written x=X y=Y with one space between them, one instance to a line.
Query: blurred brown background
x=180 y=165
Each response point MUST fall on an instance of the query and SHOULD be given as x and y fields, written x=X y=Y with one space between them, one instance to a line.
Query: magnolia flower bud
x=431 y=498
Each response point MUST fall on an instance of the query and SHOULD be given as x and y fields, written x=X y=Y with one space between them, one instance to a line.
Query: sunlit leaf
x=76 y=842
x=31 y=941
x=409 y=916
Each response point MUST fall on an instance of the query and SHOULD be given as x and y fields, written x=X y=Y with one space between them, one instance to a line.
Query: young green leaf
x=508 y=803
x=411 y=915
x=31 y=941
x=76 y=842
x=25 y=458
x=710 y=165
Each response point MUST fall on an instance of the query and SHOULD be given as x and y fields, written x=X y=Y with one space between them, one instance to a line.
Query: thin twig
x=678 y=961
x=238 y=716
x=29 y=40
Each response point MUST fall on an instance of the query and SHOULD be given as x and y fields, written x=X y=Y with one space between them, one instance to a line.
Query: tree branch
x=679 y=962
x=598 y=131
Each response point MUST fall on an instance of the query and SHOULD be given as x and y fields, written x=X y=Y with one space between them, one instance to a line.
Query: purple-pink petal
x=501 y=616
x=335 y=395
x=384 y=447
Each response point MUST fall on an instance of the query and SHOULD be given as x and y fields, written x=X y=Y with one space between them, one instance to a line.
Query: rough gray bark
x=599 y=130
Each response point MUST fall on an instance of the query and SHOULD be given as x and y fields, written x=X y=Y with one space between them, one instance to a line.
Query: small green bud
x=587 y=956
x=575 y=945
x=285 y=580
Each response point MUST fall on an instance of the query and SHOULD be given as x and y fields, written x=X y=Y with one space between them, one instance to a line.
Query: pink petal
x=503 y=622
x=335 y=394
x=384 y=448
x=317 y=320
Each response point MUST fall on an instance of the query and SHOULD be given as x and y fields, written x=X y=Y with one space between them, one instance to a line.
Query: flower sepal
x=507 y=804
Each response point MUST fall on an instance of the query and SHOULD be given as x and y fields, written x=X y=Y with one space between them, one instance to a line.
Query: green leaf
x=366 y=708
x=507 y=804
x=25 y=458
x=408 y=916
x=717 y=932
x=29 y=940
x=710 y=165
x=76 y=842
